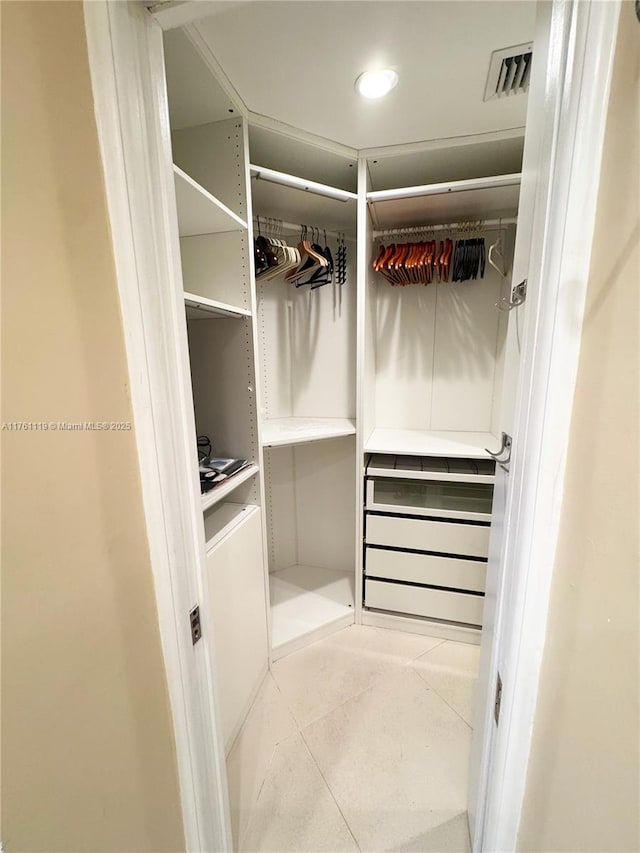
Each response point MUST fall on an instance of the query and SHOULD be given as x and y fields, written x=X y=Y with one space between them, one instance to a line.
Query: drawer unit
x=423 y=601
x=422 y=534
x=428 y=569
x=425 y=497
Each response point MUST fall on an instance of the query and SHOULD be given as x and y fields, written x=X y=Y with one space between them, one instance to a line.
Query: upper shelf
x=199 y=212
x=430 y=204
x=278 y=432
x=202 y=308
x=415 y=442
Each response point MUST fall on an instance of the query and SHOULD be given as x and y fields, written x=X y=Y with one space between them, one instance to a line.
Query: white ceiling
x=296 y=62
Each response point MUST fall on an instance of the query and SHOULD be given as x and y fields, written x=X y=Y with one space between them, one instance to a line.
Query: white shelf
x=480 y=198
x=412 y=442
x=201 y=308
x=221 y=491
x=440 y=469
x=281 y=431
x=199 y=212
x=223 y=519
x=307 y=603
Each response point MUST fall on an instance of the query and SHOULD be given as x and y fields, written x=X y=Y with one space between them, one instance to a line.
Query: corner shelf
x=415 y=442
x=220 y=492
x=201 y=308
x=430 y=204
x=278 y=432
x=199 y=212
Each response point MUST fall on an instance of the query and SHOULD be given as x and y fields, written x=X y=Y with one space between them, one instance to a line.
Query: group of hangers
x=273 y=256
x=307 y=263
x=414 y=263
x=420 y=262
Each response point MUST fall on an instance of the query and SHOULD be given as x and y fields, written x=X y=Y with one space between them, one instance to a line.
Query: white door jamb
x=127 y=73
x=578 y=76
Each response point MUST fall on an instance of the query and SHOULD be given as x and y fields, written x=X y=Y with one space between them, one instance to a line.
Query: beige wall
x=88 y=755
x=582 y=789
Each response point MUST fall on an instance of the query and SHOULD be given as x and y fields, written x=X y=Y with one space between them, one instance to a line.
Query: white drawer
x=421 y=534
x=422 y=601
x=426 y=569
x=434 y=498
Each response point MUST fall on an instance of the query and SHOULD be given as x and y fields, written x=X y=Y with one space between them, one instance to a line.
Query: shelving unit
x=308 y=368
x=200 y=212
x=279 y=432
x=226 y=487
x=199 y=307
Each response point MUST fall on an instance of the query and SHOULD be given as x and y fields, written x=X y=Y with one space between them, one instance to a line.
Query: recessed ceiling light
x=376 y=84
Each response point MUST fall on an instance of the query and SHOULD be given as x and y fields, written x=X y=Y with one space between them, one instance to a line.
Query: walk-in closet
x=352 y=336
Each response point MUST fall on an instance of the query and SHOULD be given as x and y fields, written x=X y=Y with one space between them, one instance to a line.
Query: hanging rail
x=414 y=230
x=296 y=183
x=444 y=188
x=277 y=226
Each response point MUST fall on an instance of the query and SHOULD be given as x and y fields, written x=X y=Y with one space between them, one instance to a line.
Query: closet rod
x=486 y=225
x=296 y=183
x=267 y=223
x=442 y=189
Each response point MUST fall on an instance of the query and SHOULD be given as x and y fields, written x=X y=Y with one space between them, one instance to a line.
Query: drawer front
x=424 y=535
x=420 y=601
x=426 y=569
x=434 y=498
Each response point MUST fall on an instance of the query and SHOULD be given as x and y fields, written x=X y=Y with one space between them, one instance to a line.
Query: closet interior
x=346 y=324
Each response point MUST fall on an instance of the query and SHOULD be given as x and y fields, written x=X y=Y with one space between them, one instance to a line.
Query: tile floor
x=358 y=742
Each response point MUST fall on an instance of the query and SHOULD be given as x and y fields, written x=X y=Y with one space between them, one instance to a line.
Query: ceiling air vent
x=509 y=71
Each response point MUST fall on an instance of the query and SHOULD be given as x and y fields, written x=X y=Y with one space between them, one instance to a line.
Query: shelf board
x=221 y=491
x=225 y=518
x=199 y=212
x=441 y=469
x=201 y=308
x=431 y=204
x=414 y=442
x=307 y=603
x=278 y=432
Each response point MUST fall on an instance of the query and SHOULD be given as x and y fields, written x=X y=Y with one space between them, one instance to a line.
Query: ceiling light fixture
x=376 y=84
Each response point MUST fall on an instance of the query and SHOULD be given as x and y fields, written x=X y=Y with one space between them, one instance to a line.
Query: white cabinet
x=427 y=524
x=238 y=620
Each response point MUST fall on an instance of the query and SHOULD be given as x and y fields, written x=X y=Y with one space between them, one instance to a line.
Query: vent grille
x=509 y=71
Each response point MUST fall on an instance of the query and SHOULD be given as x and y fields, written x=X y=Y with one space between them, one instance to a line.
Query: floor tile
x=295 y=810
x=452 y=670
x=452 y=836
x=320 y=678
x=268 y=723
x=395 y=759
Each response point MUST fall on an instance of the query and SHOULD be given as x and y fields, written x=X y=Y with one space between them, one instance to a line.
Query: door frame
x=581 y=48
x=127 y=71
